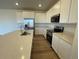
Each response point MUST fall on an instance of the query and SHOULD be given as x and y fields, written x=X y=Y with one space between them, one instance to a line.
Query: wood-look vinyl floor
x=41 y=49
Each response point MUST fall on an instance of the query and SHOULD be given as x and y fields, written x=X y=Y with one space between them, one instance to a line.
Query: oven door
x=49 y=38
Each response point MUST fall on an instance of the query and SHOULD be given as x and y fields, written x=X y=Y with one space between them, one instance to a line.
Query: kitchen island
x=15 y=46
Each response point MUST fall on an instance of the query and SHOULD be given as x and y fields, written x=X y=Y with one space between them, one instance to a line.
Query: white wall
x=7 y=21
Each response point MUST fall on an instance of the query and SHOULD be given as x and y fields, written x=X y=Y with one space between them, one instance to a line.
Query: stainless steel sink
x=25 y=33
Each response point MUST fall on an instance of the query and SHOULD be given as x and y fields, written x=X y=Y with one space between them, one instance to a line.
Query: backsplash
x=67 y=27
x=70 y=27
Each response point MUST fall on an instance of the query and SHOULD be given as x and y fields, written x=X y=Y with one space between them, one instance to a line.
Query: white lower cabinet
x=62 y=48
x=55 y=44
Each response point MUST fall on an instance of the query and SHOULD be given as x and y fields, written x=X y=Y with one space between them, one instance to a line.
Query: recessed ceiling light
x=17 y=4
x=39 y=5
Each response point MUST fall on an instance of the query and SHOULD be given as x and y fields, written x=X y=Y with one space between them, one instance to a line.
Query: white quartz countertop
x=66 y=36
x=14 y=46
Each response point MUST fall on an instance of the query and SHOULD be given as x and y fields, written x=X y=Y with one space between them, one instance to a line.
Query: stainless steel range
x=51 y=31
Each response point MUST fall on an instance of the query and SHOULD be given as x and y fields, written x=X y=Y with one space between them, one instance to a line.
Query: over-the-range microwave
x=55 y=19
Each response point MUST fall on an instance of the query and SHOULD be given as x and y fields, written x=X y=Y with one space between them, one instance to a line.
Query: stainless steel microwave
x=55 y=18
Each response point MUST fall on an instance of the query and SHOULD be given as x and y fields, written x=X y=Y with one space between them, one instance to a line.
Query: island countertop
x=66 y=36
x=15 y=46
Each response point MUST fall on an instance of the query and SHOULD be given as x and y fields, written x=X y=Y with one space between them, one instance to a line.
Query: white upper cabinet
x=73 y=12
x=28 y=14
x=64 y=11
x=68 y=13
x=40 y=18
x=19 y=16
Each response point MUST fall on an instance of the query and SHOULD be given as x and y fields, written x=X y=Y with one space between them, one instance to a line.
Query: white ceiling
x=27 y=4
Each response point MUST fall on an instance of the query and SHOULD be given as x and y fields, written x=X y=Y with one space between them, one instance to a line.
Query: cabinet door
x=40 y=18
x=64 y=12
x=55 y=43
x=28 y=14
x=65 y=49
x=19 y=16
x=73 y=12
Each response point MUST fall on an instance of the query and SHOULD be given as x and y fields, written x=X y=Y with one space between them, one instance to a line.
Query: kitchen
x=63 y=38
